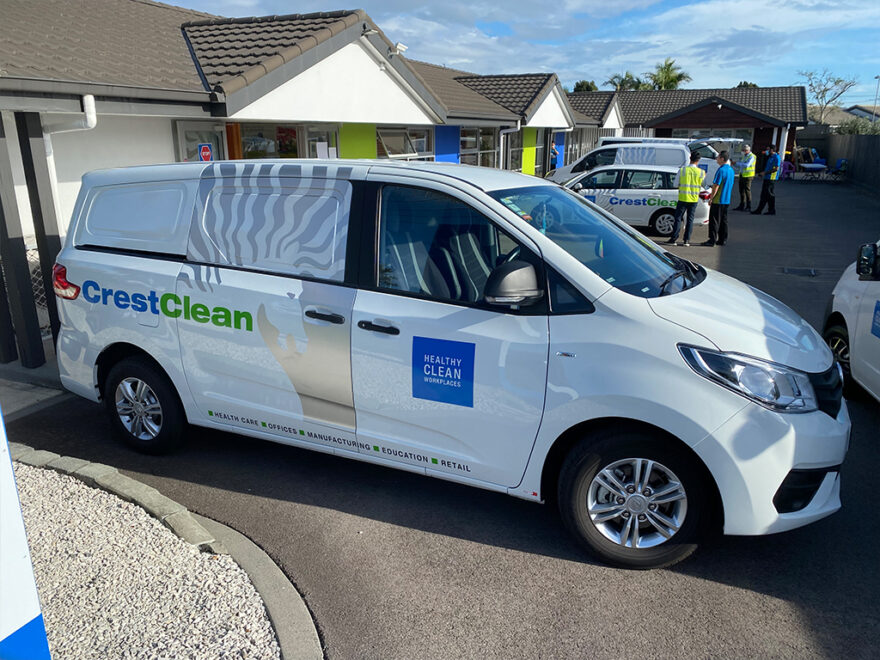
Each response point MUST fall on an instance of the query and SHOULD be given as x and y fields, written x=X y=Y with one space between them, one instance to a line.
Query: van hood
x=738 y=318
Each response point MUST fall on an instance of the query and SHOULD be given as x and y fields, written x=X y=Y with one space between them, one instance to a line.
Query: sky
x=718 y=42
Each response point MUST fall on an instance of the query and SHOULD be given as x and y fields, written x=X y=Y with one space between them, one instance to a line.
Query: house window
x=479 y=146
x=514 y=150
x=320 y=140
x=540 y=150
x=405 y=143
x=269 y=141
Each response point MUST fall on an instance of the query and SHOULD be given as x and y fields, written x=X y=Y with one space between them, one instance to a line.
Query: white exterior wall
x=614 y=120
x=117 y=141
x=347 y=86
x=18 y=182
x=550 y=114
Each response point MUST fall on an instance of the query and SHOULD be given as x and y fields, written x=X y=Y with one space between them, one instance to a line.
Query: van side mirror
x=868 y=263
x=578 y=187
x=514 y=284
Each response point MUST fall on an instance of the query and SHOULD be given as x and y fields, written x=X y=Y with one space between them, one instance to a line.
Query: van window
x=634 y=179
x=619 y=255
x=148 y=217
x=605 y=180
x=438 y=246
x=286 y=226
x=596 y=159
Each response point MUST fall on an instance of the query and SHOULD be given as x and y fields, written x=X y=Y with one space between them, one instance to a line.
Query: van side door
x=638 y=196
x=599 y=187
x=263 y=308
x=865 y=339
x=444 y=383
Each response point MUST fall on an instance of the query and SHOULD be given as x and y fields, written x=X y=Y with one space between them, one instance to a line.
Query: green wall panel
x=530 y=141
x=357 y=141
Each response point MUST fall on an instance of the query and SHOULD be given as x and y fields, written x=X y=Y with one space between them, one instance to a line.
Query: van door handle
x=372 y=327
x=330 y=318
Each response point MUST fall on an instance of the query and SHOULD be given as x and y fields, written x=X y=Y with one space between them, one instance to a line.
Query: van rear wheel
x=143 y=406
x=632 y=500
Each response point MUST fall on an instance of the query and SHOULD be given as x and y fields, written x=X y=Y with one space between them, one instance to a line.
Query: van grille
x=829 y=390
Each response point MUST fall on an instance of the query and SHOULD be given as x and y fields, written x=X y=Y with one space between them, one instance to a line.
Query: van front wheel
x=143 y=406
x=632 y=500
x=663 y=222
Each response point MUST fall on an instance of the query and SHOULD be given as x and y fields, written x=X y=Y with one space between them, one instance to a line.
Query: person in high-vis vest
x=746 y=169
x=771 y=173
x=690 y=182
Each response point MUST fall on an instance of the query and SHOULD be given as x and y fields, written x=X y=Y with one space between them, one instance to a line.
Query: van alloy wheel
x=637 y=503
x=138 y=408
x=664 y=223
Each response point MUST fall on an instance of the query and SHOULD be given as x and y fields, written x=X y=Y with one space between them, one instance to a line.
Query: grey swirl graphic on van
x=326 y=351
x=260 y=216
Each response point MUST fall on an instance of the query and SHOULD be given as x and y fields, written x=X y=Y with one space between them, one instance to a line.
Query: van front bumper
x=777 y=471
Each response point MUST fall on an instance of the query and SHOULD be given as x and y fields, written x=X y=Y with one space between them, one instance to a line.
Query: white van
x=673 y=152
x=641 y=195
x=852 y=322
x=471 y=324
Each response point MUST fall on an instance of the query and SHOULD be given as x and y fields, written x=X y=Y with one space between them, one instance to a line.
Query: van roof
x=672 y=169
x=484 y=178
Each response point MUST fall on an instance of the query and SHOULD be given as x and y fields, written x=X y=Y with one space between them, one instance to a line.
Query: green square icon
x=375 y=448
x=263 y=423
x=210 y=413
x=434 y=461
x=301 y=432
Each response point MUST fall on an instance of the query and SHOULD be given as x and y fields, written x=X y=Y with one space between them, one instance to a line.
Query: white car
x=464 y=323
x=852 y=324
x=641 y=195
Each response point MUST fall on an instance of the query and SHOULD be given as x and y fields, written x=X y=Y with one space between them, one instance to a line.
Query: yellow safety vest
x=748 y=170
x=690 y=179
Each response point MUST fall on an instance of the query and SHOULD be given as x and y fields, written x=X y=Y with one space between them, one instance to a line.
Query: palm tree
x=624 y=81
x=667 y=75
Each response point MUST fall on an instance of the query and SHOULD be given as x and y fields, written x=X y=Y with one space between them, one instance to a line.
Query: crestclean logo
x=653 y=201
x=168 y=304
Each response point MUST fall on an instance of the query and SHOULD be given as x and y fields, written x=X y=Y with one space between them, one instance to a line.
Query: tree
x=745 y=83
x=858 y=126
x=622 y=82
x=667 y=75
x=825 y=88
x=585 y=86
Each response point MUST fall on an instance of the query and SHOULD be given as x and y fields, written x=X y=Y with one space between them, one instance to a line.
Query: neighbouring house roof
x=134 y=43
x=867 y=109
x=520 y=93
x=461 y=100
x=592 y=105
x=234 y=52
x=776 y=105
x=833 y=115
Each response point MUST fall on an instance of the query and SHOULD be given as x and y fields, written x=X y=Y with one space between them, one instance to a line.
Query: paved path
x=399 y=566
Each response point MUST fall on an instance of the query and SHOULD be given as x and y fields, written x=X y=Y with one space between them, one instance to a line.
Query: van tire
x=156 y=426
x=663 y=228
x=578 y=484
x=837 y=338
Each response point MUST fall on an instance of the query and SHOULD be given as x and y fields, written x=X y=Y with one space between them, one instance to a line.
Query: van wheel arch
x=115 y=353
x=585 y=430
x=835 y=318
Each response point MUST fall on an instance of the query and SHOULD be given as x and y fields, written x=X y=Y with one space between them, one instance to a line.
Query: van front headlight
x=771 y=385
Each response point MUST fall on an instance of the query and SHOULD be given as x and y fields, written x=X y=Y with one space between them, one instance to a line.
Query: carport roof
x=777 y=105
x=134 y=43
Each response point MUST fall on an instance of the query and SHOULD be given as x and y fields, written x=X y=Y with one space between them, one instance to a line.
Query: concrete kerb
x=293 y=624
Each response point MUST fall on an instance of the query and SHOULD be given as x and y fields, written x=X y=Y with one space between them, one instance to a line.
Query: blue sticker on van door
x=443 y=371
x=875 y=324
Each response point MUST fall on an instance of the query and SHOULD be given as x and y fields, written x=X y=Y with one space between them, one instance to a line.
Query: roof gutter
x=85 y=122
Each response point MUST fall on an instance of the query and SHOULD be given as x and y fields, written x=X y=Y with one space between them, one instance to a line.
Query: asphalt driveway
x=394 y=565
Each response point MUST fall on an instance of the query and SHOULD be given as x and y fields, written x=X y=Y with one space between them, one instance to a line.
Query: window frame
x=370 y=241
x=427 y=155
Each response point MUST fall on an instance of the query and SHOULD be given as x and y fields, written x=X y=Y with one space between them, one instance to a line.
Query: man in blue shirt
x=719 y=200
x=772 y=170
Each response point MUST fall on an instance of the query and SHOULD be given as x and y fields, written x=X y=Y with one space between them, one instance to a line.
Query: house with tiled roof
x=756 y=115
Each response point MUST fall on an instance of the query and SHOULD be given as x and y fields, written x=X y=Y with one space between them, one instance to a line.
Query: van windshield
x=619 y=255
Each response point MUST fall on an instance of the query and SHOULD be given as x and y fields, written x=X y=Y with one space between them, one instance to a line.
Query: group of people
x=690 y=183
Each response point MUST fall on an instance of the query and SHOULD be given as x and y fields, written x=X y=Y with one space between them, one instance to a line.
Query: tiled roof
x=251 y=47
x=120 y=42
x=461 y=100
x=518 y=92
x=592 y=104
x=784 y=104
